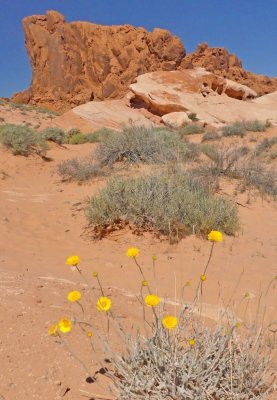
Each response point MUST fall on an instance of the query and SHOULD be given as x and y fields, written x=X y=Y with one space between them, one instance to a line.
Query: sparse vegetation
x=193 y=117
x=191 y=129
x=235 y=129
x=210 y=135
x=256 y=126
x=144 y=145
x=79 y=170
x=265 y=145
x=76 y=137
x=171 y=205
x=56 y=135
x=22 y=140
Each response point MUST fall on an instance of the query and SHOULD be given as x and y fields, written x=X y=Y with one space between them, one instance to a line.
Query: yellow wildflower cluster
x=74 y=296
x=103 y=304
x=215 y=236
x=151 y=300
x=132 y=252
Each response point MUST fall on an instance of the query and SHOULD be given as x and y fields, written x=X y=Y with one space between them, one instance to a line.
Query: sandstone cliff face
x=222 y=63
x=73 y=63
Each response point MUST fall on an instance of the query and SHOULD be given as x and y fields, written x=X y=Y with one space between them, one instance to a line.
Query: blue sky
x=246 y=28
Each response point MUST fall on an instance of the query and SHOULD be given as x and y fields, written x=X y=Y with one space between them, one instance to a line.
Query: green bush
x=169 y=204
x=144 y=145
x=191 y=129
x=22 y=140
x=56 y=135
x=76 y=137
x=235 y=129
x=193 y=117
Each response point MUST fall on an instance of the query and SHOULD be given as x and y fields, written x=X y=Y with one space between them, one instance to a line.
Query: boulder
x=176 y=119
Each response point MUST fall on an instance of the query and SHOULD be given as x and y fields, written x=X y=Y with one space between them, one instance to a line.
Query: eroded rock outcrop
x=197 y=91
x=73 y=63
x=220 y=62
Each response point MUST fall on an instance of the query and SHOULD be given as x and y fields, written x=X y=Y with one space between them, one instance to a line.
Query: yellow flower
x=73 y=260
x=192 y=342
x=74 y=296
x=203 y=278
x=53 y=329
x=215 y=236
x=132 y=252
x=144 y=283
x=65 y=325
x=103 y=304
x=95 y=274
x=152 y=300
x=154 y=258
x=170 y=322
x=237 y=324
x=89 y=334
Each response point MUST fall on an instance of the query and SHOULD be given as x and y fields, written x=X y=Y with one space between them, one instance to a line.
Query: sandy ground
x=42 y=223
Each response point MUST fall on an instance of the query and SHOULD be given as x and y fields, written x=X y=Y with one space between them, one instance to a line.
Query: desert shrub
x=79 y=170
x=178 y=357
x=72 y=132
x=223 y=160
x=22 y=140
x=171 y=205
x=265 y=145
x=256 y=126
x=29 y=107
x=76 y=137
x=143 y=145
x=235 y=129
x=191 y=129
x=255 y=175
x=54 y=134
x=193 y=117
x=210 y=135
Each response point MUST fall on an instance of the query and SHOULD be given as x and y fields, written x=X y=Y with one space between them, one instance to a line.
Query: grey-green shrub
x=256 y=126
x=191 y=129
x=144 y=145
x=22 y=140
x=169 y=204
x=79 y=170
x=265 y=145
x=54 y=134
x=235 y=129
x=209 y=136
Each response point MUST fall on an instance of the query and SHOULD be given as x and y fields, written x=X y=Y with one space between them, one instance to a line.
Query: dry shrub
x=172 y=205
x=79 y=170
x=144 y=145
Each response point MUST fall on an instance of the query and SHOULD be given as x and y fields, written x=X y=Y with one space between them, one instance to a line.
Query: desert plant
x=54 y=134
x=193 y=117
x=79 y=170
x=223 y=160
x=22 y=140
x=235 y=129
x=210 y=135
x=77 y=138
x=143 y=145
x=172 y=205
x=191 y=129
x=265 y=145
x=178 y=356
x=256 y=126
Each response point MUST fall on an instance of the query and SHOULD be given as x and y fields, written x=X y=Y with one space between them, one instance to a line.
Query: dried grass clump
x=79 y=170
x=144 y=145
x=173 y=205
x=222 y=365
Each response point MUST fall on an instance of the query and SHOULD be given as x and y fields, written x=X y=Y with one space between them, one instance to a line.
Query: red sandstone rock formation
x=222 y=63
x=73 y=63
